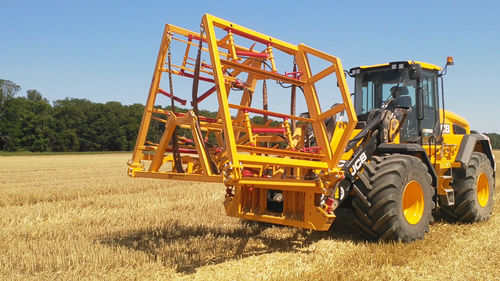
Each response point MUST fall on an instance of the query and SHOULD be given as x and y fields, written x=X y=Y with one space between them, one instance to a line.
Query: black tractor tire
x=474 y=188
x=380 y=191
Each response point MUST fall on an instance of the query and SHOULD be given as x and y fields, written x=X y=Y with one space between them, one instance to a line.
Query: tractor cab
x=412 y=86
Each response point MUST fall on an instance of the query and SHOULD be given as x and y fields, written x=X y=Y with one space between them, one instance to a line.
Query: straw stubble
x=80 y=217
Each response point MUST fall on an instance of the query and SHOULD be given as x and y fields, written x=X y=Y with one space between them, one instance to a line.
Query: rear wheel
x=474 y=188
x=394 y=198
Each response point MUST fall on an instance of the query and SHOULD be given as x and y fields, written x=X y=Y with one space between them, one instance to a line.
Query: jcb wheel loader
x=394 y=199
x=395 y=155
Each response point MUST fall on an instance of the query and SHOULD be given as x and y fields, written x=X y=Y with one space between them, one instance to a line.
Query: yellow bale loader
x=394 y=155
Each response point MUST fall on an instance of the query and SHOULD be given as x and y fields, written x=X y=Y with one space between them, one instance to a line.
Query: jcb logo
x=358 y=163
x=445 y=128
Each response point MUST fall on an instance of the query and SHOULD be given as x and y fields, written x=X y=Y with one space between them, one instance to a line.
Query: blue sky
x=106 y=50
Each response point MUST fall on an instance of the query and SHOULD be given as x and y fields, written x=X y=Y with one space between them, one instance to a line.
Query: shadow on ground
x=187 y=247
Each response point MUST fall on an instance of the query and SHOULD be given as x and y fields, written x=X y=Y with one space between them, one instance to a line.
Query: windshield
x=372 y=88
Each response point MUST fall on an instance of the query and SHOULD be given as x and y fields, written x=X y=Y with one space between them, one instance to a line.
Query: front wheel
x=394 y=198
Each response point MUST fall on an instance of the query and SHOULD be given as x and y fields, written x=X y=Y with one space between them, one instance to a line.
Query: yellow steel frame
x=247 y=166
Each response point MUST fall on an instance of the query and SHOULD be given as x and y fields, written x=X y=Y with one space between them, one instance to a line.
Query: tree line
x=31 y=123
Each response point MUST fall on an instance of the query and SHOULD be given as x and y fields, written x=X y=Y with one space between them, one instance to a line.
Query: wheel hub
x=413 y=202
x=483 y=190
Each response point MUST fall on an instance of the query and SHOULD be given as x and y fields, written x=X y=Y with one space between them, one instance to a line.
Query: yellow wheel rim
x=483 y=190
x=413 y=202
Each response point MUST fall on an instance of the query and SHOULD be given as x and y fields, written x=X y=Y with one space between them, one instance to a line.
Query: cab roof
x=396 y=65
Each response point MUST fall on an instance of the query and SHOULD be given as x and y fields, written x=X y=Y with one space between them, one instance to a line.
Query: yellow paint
x=483 y=190
x=453 y=118
x=424 y=65
x=413 y=202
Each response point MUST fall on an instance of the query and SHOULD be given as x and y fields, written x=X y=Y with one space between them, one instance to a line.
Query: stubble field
x=65 y=217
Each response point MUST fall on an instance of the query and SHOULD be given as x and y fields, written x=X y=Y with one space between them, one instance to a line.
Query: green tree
x=36 y=119
x=68 y=124
x=9 y=115
x=8 y=90
x=495 y=140
x=114 y=119
x=133 y=118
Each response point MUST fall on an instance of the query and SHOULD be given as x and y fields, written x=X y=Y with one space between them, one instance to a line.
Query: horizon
x=52 y=104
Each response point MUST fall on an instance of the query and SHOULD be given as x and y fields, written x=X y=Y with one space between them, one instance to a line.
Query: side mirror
x=415 y=71
x=420 y=104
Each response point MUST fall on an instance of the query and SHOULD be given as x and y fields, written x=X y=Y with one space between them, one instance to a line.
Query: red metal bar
x=206 y=79
x=269 y=130
x=185 y=150
x=205 y=95
x=295 y=74
x=249 y=172
x=252 y=54
x=192 y=151
x=263 y=112
x=207 y=119
x=248 y=36
x=206 y=65
x=186 y=140
x=312 y=149
x=167 y=94
x=190 y=37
